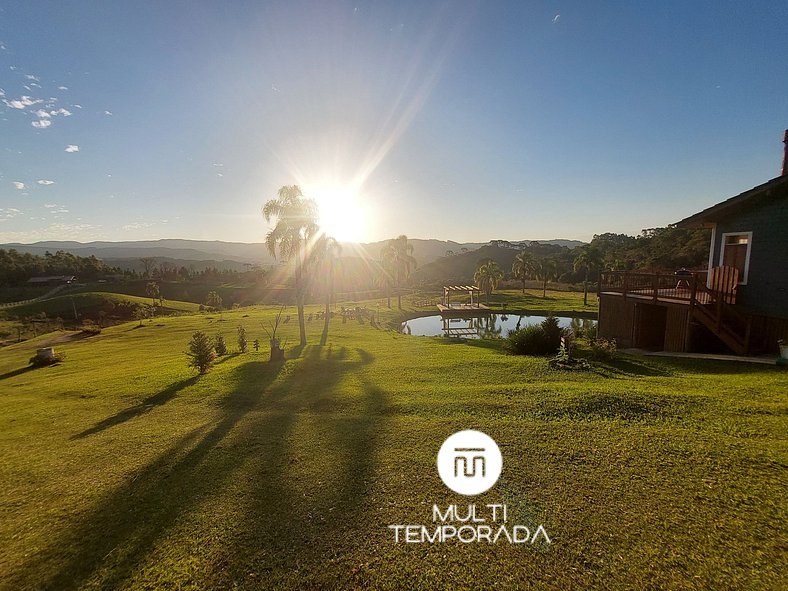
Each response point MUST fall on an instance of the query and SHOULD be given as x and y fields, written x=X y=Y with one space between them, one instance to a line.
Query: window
x=736 y=253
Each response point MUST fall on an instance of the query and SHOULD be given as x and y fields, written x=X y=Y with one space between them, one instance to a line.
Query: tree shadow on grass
x=108 y=543
x=628 y=366
x=146 y=405
x=16 y=372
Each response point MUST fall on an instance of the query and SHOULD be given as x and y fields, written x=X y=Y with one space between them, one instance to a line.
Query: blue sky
x=460 y=120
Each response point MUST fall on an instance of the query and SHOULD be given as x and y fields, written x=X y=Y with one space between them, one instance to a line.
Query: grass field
x=120 y=469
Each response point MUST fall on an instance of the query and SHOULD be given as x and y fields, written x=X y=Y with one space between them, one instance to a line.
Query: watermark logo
x=469 y=462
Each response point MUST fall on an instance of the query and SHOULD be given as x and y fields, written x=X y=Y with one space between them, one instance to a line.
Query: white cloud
x=59 y=211
x=18 y=185
x=62 y=87
x=31 y=77
x=45 y=182
x=77 y=106
x=42 y=114
x=50 y=205
x=2 y=92
x=56 y=231
x=41 y=123
x=22 y=102
x=108 y=112
x=61 y=111
x=7 y=214
x=72 y=148
x=136 y=226
x=557 y=18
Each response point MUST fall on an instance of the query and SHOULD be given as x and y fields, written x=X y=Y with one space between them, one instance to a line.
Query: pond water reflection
x=481 y=327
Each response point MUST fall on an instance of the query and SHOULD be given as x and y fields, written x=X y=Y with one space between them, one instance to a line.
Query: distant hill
x=459 y=269
x=199 y=254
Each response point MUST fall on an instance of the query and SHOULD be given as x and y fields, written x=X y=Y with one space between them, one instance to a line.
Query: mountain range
x=126 y=254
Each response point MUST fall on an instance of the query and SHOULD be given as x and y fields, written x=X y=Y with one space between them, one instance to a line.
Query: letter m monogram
x=467 y=463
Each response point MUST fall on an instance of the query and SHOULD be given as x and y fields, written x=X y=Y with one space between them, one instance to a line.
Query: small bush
x=529 y=340
x=242 y=343
x=40 y=361
x=221 y=345
x=89 y=327
x=552 y=334
x=201 y=353
x=603 y=349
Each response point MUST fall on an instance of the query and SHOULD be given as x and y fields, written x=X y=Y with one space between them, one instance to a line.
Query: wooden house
x=739 y=303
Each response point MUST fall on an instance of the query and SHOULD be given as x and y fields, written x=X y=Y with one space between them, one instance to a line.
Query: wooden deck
x=709 y=297
x=462 y=308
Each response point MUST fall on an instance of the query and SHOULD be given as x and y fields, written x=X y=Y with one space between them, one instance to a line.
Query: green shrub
x=552 y=334
x=603 y=349
x=39 y=361
x=89 y=327
x=221 y=345
x=529 y=340
x=242 y=343
x=201 y=353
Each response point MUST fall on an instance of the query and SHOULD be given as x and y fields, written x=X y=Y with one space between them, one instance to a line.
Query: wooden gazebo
x=473 y=292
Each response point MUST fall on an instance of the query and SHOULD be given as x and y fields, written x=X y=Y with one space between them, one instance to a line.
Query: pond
x=477 y=327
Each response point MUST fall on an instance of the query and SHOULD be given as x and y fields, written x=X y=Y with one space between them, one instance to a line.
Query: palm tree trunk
x=300 y=303
x=523 y=285
x=544 y=289
x=585 y=289
x=388 y=296
x=324 y=337
x=399 y=298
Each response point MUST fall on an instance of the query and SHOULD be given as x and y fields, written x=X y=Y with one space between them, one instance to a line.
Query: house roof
x=773 y=189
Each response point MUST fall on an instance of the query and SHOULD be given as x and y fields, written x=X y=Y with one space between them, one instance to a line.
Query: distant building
x=52 y=280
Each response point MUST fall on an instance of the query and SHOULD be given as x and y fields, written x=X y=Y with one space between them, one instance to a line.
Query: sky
x=465 y=121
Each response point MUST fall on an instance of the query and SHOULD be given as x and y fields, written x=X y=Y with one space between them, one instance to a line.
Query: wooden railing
x=652 y=285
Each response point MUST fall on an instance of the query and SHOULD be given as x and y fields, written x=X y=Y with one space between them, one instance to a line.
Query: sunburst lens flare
x=343 y=214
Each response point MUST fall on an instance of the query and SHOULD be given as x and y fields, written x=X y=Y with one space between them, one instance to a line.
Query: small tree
x=201 y=353
x=221 y=345
x=213 y=300
x=152 y=290
x=256 y=345
x=242 y=344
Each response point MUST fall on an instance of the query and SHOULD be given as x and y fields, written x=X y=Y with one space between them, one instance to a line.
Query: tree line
x=17 y=267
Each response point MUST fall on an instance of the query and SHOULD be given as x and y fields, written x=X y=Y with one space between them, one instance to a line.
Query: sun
x=342 y=213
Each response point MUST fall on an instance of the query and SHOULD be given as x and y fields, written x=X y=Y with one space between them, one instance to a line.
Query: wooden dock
x=462 y=308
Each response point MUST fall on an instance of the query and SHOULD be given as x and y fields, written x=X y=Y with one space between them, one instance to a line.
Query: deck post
x=747 y=334
x=625 y=285
x=655 y=285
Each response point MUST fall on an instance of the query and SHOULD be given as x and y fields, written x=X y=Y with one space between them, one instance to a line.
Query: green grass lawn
x=120 y=469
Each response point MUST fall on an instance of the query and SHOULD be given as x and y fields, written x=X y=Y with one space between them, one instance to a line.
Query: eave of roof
x=734 y=204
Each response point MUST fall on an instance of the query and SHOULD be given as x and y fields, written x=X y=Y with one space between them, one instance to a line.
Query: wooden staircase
x=714 y=307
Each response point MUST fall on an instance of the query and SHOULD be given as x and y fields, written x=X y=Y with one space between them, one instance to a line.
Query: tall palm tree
x=545 y=270
x=523 y=266
x=487 y=276
x=323 y=256
x=589 y=260
x=384 y=276
x=398 y=259
x=296 y=226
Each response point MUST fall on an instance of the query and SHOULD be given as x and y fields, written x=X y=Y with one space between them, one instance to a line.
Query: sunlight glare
x=342 y=213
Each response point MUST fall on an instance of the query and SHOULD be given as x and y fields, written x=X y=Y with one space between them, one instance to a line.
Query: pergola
x=470 y=289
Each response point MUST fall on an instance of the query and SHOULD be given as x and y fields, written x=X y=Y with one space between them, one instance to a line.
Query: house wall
x=766 y=291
